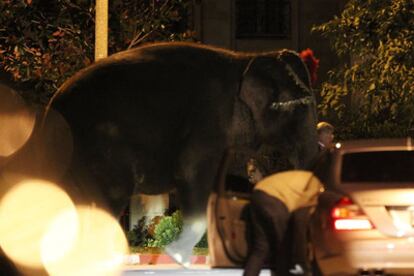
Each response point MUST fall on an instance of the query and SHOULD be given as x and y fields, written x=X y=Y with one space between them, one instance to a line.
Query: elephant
x=161 y=116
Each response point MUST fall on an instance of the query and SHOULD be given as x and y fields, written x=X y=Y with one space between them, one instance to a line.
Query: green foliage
x=138 y=234
x=135 y=22
x=166 y=231
x=43 y=42
x=373 y=95
x=160 y=232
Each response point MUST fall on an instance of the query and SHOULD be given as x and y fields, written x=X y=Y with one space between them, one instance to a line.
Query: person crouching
x=272 y=202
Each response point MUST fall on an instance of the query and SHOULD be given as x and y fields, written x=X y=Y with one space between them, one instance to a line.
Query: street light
x=101 y=29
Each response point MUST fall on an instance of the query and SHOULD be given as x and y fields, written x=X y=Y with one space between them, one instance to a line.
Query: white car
x=364 y=223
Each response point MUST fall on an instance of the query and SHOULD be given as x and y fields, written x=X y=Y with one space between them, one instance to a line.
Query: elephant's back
x=135 y=110
x=162 y=86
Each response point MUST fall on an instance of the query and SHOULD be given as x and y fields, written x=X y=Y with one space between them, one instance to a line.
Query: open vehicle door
x=227 y=212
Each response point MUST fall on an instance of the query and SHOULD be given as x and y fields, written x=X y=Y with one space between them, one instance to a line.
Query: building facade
x=263 y=25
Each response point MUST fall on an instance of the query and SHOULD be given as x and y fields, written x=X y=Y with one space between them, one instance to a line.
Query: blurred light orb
x=16 y=122
x=26 y=213
x=60 y=236
x=99 y=249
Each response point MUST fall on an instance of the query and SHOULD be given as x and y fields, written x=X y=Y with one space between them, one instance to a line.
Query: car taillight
x=348 y=216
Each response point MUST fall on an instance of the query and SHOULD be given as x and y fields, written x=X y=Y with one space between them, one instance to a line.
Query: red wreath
x=311 y=62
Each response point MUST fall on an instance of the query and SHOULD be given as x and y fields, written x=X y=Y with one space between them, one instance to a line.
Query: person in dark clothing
x=325 y=135
x=269 y=227
x=273 y=201
x=300 y=219
x=255 y=171
x=282 y=203
x=298 y=240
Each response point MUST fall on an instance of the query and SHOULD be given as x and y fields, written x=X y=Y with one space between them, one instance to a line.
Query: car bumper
x=391 y=256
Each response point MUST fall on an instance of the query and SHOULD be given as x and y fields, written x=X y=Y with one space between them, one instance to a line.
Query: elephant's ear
x=296 y=69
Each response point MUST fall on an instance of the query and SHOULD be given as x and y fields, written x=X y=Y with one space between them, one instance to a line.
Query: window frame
x=283 y=33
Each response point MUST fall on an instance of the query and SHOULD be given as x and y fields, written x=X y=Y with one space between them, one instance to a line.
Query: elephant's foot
x=180 y=255
x=181 y=250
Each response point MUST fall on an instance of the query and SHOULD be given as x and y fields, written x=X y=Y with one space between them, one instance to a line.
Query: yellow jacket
x=294 y=188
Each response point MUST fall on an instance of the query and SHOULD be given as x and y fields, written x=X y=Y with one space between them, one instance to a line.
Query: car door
x=228 y=213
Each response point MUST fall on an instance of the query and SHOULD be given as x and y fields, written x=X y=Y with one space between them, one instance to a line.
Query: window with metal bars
x=263 y=18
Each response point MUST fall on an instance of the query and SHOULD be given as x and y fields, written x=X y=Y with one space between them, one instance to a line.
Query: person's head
x=325 y=134
x=255 y=172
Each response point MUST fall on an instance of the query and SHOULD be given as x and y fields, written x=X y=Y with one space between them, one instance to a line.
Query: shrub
x=161 y=231
x=167 y=230
x=139 y=233
x=373 y=95
x=43 y=42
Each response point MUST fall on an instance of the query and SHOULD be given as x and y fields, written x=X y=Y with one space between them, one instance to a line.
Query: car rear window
x=378 y=166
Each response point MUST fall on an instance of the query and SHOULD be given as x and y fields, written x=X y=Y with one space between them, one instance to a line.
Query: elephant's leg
x=97 y=182
x=193 y=229
x=197 y=175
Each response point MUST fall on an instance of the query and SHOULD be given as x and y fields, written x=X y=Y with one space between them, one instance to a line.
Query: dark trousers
x=270 y=218
x=297 y=240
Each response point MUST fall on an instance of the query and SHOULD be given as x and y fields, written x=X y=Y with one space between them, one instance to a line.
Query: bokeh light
x=16 y=122
x=60 y=236
x=99 y=249
x=26 y=213
x=46 y=155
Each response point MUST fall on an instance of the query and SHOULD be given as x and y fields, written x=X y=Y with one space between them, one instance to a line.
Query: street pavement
x=198 y=270
x=161 y=264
